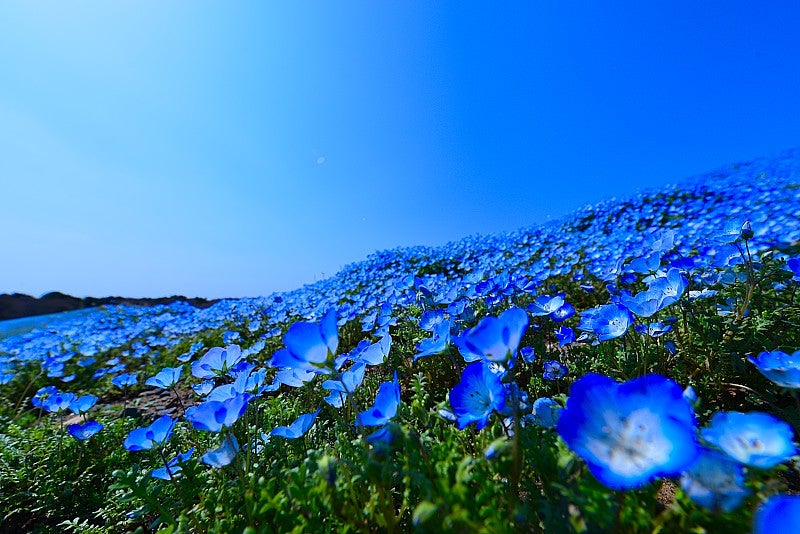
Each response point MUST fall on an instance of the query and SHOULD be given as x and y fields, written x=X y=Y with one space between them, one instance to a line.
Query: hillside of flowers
x=633 y=367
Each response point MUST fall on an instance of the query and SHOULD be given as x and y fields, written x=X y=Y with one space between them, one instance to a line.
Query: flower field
x=633 y=367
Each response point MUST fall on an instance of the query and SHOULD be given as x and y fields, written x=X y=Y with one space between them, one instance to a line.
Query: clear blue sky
x=236 y=148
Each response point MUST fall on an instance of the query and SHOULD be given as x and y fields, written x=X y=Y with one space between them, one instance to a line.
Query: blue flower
x=437 y=342
x=224 y=454
x=217 y=361
x=779 y=514
x=755 y=439
x=125 y=380
x=85 y=430
x=298 y=428
x=147 y=437
x=565 y=335
x=553 y=370
x=58 y=402
x=42 y=394
x=629 y=433
x=780 y=367
x=494 y=339
x=82 y=404
x=345 y=385
x=309 y=346
x=213 y=415
x=166 y=378
x=715 y=482
x=606 y=322
x=385 y=407
x=546 y=305
x=172 y=470
x=528 y=354
x=479 y=393
x=546 y=413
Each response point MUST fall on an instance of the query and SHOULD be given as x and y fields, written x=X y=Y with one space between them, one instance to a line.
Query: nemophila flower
x=309 y=346
x=780 y=367
x=217 y=362
x=294 y=377
x=755 y=439
x=213 y=415
x=715 y=482
x=553 y=370
x=653 y=330
x=545 y=413
x=58 y=402
x=376 y=353
x=82 y=404
x=670 y=286
x=729 y=233
x=125 y=380
x=494 y=339
x=147 y=437
x=479 y=393
x=565 y=335
x=224 y=454
x=297 y=428
x=606 y=322
x=646 y=264
x=173 y=469
x=166 y=378
x=384 y=436
x=85 y=430
x=528 y=354
x=42 y=394
x=346 y=384
x=437 y=342
x=779 y=514
x=5 y=378
x=545 y=304
x=644 y=304
x=794 y=265
x=230 y=336
x=385 y=407
x=203 y=388
x=430 y=319
x=629 y=433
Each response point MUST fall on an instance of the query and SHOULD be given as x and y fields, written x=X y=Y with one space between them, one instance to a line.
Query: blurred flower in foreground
x=780 y=367
x=629 y=433
x=780 y=513
x=755 y=439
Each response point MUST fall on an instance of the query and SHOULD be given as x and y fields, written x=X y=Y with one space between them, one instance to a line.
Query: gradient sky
x=227 y=149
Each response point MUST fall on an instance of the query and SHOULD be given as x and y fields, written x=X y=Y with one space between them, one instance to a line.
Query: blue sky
x=238 y=148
